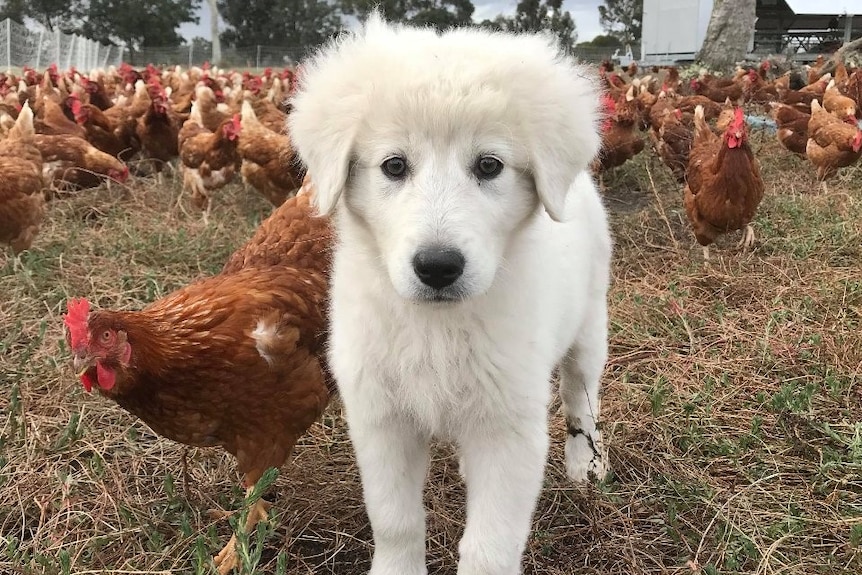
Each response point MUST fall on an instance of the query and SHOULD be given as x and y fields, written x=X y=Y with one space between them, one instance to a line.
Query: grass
x=732 y=407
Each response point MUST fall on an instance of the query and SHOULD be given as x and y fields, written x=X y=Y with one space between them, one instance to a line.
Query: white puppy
x=472 y=259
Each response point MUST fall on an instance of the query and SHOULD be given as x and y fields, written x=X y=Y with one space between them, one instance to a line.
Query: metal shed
x=674 y=30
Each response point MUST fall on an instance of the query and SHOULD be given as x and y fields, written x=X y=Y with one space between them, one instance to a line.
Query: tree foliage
x=50 y=13
x=13 y=9
x=440 y=14
x=136 y=23
x=538 y=15
x=602 y=41
x=622 y=19
x=304 y=23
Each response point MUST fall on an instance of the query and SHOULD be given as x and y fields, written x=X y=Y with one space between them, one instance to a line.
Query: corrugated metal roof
x=821 y=7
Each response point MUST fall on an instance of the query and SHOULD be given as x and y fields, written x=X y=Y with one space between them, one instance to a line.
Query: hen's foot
x=747 y=240
x=228 y=558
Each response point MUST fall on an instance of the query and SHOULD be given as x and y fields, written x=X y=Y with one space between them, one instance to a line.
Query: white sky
x=584 y=12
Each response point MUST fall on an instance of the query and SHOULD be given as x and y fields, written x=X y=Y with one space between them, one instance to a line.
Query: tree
x=13 y=9
x=535 y=16
x=441 y=14
x=729 y=33
x=302 y=23
x=214 y=35
x=602 y=41
x=50 y=13
x=136 y=24
x=622 y=19
x=201 y=45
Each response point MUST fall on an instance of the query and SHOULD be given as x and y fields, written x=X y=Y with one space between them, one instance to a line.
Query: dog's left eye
x=487 y=167
x=395 y=167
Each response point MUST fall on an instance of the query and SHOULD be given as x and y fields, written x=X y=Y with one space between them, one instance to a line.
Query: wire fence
x=21 y=46
x=280 y=56
x=193 y=55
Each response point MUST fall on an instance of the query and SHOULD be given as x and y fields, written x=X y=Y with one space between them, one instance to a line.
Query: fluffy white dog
x=472 y=259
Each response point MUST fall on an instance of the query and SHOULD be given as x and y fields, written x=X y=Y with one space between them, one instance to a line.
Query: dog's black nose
x=438 y=267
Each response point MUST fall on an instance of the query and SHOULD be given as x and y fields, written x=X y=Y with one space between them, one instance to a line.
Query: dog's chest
x=446 y=373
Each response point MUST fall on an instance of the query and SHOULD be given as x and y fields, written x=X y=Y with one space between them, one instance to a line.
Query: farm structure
x=674 y=30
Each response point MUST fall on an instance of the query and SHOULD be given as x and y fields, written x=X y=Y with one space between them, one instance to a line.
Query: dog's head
x=443 y=145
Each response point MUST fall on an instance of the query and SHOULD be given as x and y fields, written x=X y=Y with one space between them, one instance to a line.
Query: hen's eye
x=394 y=167
x=488 y=167
x=106 y=336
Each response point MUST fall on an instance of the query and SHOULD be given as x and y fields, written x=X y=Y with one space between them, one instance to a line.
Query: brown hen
x=22 y=203
x=724 y=186
x=235 y=360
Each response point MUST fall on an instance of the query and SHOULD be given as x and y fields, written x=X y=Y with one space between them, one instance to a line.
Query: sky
x=584 y=12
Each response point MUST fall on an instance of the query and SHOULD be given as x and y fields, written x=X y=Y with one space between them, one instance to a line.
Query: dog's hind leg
x=580 y=383
x=393 y=462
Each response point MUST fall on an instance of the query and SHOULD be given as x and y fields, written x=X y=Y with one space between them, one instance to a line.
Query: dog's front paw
x=586 y=457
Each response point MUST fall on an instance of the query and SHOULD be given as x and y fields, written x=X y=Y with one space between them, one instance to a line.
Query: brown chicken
x=209 y=159
x=268 y=161
x=839 y=104
x=672 y=143
x=72 y=163
x=724 y=186
x=792 y=127
x=236 y=360
x=620 y=140
x=22 y=203
x=158 y=129
x=832 y=143
x=719 y=89
x=53 y=121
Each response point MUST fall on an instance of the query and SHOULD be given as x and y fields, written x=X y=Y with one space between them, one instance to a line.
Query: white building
x=674 y=30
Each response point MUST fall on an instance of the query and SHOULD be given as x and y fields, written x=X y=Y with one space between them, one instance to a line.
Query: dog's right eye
x=394 y=167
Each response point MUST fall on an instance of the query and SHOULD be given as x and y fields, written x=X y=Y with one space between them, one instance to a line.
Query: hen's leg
x=747 y=238
x=228 y=558
x=706 y=254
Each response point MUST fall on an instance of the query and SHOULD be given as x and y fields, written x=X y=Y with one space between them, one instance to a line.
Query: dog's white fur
x=532 y=296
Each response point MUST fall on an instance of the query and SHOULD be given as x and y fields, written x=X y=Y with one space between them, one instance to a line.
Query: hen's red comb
x=76 y=320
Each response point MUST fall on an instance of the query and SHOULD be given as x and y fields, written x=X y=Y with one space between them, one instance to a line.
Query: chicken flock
x=815 y=116
x=111 y=124
x=237 y=360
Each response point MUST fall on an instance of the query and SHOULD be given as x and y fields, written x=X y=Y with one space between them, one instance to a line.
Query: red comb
x=76 y=320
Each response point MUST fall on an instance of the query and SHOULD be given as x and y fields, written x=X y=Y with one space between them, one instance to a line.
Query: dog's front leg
x=393 y=462
x=503 y=468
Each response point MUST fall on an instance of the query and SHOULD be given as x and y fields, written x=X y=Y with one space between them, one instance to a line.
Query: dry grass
x=733 y=403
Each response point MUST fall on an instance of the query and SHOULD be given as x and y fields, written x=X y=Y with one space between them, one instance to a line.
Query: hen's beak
x=82 y=363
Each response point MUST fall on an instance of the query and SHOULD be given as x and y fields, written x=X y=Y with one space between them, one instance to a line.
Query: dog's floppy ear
x=553 y=176
x=563 y=138
x=327 y=158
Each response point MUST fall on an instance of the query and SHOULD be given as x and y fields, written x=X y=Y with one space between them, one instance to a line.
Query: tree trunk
x=214 y=36
x=730 y=30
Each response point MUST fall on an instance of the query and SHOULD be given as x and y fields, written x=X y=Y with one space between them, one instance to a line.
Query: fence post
x=257 y=59
x=191 y=53
x=8 y=43
x=39 y=49
x=71 y=51
x=59 y=40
